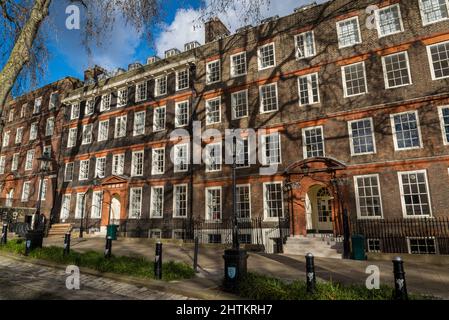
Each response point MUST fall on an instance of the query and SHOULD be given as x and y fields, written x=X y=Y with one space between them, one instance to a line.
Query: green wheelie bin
x=112 y=231
x=358 y=247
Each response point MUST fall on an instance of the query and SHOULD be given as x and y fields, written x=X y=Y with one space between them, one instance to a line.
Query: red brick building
x=32 y=128
x=350 y=104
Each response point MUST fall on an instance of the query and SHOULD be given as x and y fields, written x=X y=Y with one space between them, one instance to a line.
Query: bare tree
x=23 y=38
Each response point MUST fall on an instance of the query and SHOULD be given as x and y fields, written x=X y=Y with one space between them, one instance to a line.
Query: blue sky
x=123 y=45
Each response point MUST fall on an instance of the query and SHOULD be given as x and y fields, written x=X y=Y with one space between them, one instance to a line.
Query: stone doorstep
x=193 y=288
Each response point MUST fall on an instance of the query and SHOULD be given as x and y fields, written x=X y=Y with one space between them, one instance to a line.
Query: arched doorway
x=316 y=195
x=115 y=209
x=319 y=209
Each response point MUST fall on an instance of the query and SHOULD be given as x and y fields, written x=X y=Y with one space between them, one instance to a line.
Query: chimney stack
x=92 y=74
x=215 y=29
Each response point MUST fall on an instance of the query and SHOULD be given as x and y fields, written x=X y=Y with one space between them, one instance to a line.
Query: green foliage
x=131 y=266
x=261 y=287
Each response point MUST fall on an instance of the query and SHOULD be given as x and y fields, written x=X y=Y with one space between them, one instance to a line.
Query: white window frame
x=429 y=57
x=105 y=106
x=50 y=126
x=207 y=149
x=138 y=97
x=247 y=185
x=401 y=189
x=384 y=67
x=19 y=135
x=65 y=171
x=219 y=110
x=79 y=211
x=105 y=135
x=142 y=128
x=264 y=148
x=97 y=169
x=65 y=207
x=206 y=208
x=409 y=246
x=157 y=91
x=340 y=46
x=118 y=121
x=52 y=105
x=309 y=88
x=6 y=138
x=37 y=105
x=177 y=79
x=26 y=197
x=155 y=115
x=90 y=104
x=72 y=137
x=306 y=54
x=87 y=137
x=265 y=207
x=351 y=142
x=120 y=158
x=208 y=71
x=234 y=116
x=122 y=97
x=426 y=23
x=177 y=125
x=304 y=145
x=394 y=133
x=15 y=162
x=343 y=74
x=134 y=173
x=2 y=164
x=30 y=154
x=377 y=17
x=261 y=107
x=259 y=61
x=232 y=69
x=357 y=197
x=443 y=129
x=131 y=213
x=175 y=157
x=80 y=176
x=152 y=216
x=175 y=209
x=34 y=131
x=94 y=208
x=75 y=111
x=154 y=151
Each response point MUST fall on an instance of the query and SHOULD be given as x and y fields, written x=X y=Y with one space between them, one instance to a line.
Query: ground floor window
x=179 y=234
x=422 y=245
x=214 y=238
x=414 y=193
x=243 y=201
x=273 y=203
x=373 y=245
x=155 y=234
x=245 y=238
x=213 y=203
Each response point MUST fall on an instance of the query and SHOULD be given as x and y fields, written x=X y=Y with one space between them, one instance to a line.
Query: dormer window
x=171 y=53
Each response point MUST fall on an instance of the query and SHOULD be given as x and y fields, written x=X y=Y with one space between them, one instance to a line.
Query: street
x=26 y=281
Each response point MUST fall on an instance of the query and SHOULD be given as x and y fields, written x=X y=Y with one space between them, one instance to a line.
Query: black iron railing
x=402 y=235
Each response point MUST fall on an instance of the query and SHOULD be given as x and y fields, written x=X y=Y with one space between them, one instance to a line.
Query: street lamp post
x=235 y=259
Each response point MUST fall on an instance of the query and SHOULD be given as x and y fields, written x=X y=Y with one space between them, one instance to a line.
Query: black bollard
x=108 y=248
x=400 y=288
x=310 y=273
x=4 y=238
x=158 y=261
x=67 y=243
x=195 y=255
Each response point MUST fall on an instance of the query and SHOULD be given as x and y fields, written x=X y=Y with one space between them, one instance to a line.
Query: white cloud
x=182 y=29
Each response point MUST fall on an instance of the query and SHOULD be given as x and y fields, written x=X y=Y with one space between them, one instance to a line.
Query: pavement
x=422 y=278
x=20 y=280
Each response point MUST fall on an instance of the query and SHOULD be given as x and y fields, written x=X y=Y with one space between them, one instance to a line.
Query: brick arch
x=308 y=173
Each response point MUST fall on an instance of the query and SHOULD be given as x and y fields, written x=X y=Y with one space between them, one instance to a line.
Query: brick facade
x=333 y=114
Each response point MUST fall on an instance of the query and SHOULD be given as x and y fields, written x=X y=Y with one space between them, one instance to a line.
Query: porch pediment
x=316 y=164
x=114 y=180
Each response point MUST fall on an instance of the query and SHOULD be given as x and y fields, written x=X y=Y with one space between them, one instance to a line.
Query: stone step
x=326 y=246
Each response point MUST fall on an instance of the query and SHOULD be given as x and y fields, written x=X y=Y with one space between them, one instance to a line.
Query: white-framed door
x=324 y=210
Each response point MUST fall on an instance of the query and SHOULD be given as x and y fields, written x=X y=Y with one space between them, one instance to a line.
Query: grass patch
x=260 y=287
x=131 y=266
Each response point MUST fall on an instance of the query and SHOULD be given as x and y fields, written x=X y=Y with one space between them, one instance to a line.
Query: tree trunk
x=20 y=54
